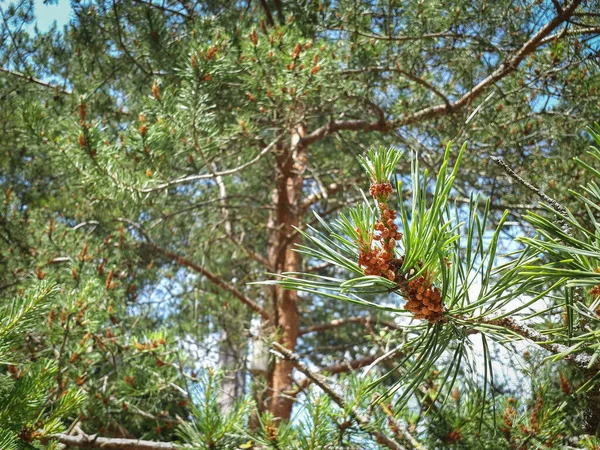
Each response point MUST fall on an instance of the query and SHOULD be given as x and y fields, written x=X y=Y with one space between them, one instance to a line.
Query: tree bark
x=287 y=199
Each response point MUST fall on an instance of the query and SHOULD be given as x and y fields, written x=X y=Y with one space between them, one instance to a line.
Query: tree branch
x=336 y=369
x=31 y=79
x=93 y=441
x=213 y=279
x=405 y=74
x=339 y=322
x=164 y=9
x=580 y=360
x=187 y=179
x=506 y=68
x=362 y=421
x=537 y=191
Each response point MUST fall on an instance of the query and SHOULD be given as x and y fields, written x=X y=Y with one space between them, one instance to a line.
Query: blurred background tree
x=157 y=156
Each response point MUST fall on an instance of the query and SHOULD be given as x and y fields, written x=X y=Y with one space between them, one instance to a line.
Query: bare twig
x=581 y=360
x=553 y=203
x=164 y=9
x=405 y=74
x=190 y=178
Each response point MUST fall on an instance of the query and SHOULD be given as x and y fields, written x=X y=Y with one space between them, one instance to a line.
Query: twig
x=33 y=80
x=405 y=74
x=339 y=322
x=187 y=179
x=553 y=203
x=213 y=279
x=163 y=9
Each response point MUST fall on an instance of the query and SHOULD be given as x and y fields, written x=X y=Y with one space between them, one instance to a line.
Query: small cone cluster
x=424 y=300
x=377 y=260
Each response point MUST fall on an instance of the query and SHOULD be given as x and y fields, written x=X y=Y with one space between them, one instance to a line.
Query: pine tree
x=157 y=160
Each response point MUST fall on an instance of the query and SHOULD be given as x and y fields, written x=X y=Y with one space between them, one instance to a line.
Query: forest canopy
x=300 y=225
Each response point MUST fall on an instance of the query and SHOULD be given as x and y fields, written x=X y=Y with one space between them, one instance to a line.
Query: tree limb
x=405 y=74
x=187 y=179
x=580 y=360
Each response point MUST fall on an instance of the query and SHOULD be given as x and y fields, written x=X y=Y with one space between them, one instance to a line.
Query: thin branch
x=571 y=32
x=251 y=253
x=362 y=421
x=340 y=322
x=163 y=9
x=336 y=369
x=537 y=191
x=400 y=430
x=31 y=79
x=122 y=44
x=316 y=197
x=270 y=20
x=187 y=179
x=93 y=441
x=402 y=72
x=403 y=38
x=214 y=279
x=581 y=360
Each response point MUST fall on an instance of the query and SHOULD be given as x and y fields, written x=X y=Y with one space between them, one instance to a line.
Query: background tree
x=161 y=156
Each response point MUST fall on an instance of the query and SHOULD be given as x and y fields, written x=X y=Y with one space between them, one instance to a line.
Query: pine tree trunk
x=232 y=385
x=291 y=163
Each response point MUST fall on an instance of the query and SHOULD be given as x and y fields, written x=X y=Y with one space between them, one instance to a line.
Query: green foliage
x=145 y=153
x=209 y=428
x=26 y=391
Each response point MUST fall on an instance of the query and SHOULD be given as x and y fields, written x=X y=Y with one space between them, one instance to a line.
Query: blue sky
x=47 y=14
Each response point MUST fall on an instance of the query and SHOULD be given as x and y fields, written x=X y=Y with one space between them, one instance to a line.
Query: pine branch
x=164 y=9
x=556 y=205
x=340 y=322
x=31 y=79
x=571 y=32
x=581 y=360
x=403 y=38
x=405 y=74
x=251 y=253
x=316 y=197
x=93 y=441
x=213 y=174
x=336 y=369
x=122 y=43
x=506 y=68
x=400 y=430
x=213 y=279
x=362 y=421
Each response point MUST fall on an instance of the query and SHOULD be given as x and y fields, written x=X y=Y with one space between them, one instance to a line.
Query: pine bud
x=155 y=91
x=296 y=51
